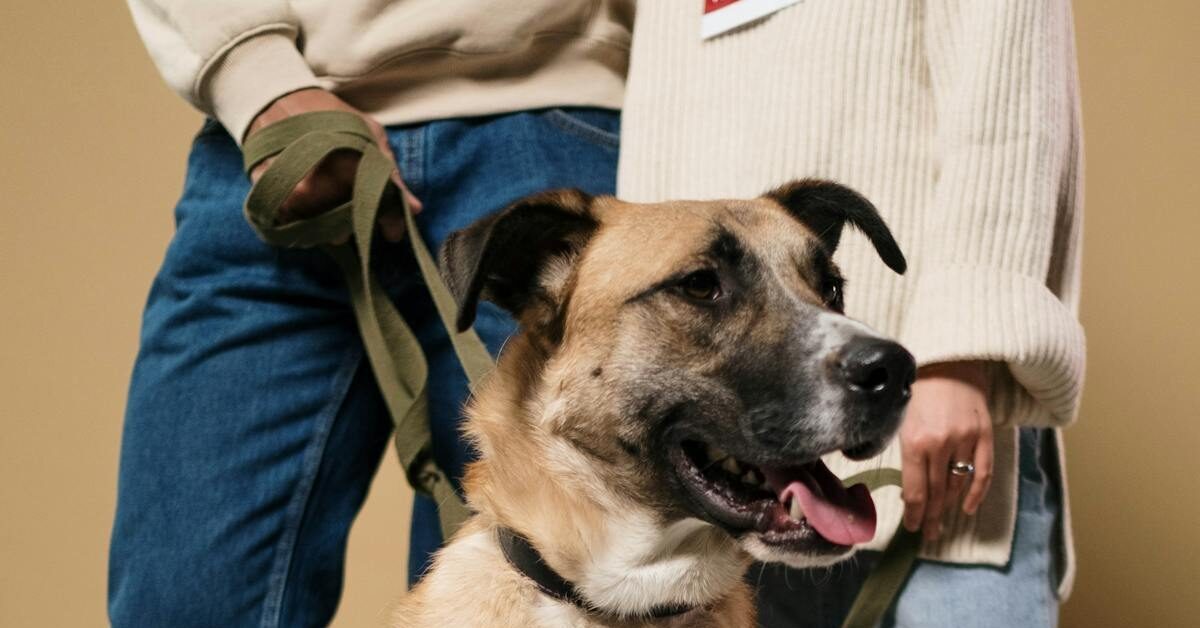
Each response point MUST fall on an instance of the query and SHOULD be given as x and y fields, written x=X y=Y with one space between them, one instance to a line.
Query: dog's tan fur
x=549 y=430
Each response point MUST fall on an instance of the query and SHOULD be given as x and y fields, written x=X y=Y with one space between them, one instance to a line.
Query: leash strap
x=894 y=567
x=299 y=144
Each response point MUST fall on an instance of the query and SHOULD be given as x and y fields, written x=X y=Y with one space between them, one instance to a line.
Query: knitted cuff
x=984 y=313
x=253 y=72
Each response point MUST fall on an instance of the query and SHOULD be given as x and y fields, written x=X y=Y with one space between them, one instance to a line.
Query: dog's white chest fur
x=647 y=565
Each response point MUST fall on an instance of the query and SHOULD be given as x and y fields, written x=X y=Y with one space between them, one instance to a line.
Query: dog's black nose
x=879 y=370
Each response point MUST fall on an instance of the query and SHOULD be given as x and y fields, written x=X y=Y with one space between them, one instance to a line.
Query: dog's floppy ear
x=500 y=257
x=825 y=207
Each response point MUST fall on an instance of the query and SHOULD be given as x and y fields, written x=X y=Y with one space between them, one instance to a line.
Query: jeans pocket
x=597 y=126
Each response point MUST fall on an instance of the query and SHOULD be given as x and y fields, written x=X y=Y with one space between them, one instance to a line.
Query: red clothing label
x=713 y=5
x=722 y=16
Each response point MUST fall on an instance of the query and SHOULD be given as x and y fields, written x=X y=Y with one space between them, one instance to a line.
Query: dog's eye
x=702 y=285
x=831 y=293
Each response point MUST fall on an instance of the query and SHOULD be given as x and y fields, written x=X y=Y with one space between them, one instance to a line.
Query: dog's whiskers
x=790 y=441
x=762 y=568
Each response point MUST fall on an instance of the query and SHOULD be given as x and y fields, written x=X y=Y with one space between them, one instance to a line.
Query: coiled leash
x=299 y=144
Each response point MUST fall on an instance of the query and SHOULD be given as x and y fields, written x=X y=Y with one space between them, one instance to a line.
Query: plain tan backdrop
x=92 y=149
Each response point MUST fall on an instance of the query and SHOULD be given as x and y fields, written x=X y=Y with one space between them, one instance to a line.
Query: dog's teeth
x=713 y=453
x=731 y=465
x=795 y=511
x=752 y=477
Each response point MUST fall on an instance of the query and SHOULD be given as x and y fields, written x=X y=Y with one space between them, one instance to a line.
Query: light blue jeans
x=254 y=425
x=1020 y=594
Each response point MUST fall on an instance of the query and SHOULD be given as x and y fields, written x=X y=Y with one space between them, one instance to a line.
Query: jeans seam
x=584 y=130
x=285 y=550
x=412 y=163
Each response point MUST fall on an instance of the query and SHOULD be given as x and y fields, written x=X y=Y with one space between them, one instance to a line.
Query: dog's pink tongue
x=843 y=516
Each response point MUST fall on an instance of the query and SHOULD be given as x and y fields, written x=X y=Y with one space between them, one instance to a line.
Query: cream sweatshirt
x=401 y=61
x=960 y=120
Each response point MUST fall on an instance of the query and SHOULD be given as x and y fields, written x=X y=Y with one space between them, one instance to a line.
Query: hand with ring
x=946 y=444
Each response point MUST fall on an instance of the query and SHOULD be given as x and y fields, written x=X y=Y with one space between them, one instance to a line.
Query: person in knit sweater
x=959 y=119
x=254 y=425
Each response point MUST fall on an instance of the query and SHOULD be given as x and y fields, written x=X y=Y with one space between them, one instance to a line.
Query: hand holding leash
x=331 y=182
x=296 y=145
x=946 y=443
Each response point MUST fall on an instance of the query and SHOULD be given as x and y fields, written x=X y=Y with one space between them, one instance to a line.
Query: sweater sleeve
x=999 y=278
x=228 y=58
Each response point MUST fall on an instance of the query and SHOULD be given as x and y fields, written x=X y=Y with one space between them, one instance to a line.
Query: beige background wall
x=92 y=149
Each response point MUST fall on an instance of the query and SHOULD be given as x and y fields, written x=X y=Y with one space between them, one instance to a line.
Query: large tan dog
x=659 y=419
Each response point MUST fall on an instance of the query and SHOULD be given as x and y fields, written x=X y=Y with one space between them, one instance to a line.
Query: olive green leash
x=895 y=564
x=299 y=144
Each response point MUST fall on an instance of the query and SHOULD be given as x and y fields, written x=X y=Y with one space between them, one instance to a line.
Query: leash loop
x=299 y=144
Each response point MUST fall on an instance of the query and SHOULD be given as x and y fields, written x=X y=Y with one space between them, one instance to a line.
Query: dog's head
x=688 y=359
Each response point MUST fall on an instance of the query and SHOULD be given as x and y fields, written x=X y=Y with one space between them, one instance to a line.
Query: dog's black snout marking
x=880 y=370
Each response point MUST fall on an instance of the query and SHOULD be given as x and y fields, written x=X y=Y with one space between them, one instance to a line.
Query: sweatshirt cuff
x=984 y=313
x=251 y=75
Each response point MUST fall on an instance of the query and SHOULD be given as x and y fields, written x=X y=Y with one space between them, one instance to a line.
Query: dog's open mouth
x=800 y=508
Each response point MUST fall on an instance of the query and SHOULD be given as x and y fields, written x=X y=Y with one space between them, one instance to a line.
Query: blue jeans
x=1019 y=594
x=254 y=426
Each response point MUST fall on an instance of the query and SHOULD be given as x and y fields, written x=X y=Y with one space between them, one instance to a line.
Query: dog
x=659 y=419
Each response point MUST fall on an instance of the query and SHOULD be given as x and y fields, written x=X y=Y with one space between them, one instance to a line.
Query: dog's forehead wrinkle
x=725 y=245
x=749 y=213
x=783 y=247
x=635 y=250
x=627 y=258
x=812 y=261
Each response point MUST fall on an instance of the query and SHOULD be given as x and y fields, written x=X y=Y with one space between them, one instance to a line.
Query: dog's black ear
x=825 y=207
x=500 y=257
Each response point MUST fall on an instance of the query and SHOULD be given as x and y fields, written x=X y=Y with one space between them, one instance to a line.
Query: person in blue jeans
x=254 y=425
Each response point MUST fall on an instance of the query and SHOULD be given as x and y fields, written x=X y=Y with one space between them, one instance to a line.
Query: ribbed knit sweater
x=960 y=121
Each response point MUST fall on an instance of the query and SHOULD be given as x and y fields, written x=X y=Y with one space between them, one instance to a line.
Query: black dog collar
x=526 y=560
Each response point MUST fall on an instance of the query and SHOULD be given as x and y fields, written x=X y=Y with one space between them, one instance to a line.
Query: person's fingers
x=913 y=485
x=392 y=226
x=385 y=147
x=285 y=211
x=939 y=460
x=414 y=203
x=256 y=173
x=330 y=184
x=984 y=461
x=964 y=451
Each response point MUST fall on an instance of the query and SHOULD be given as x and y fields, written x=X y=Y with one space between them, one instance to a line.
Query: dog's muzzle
x=779 y=489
